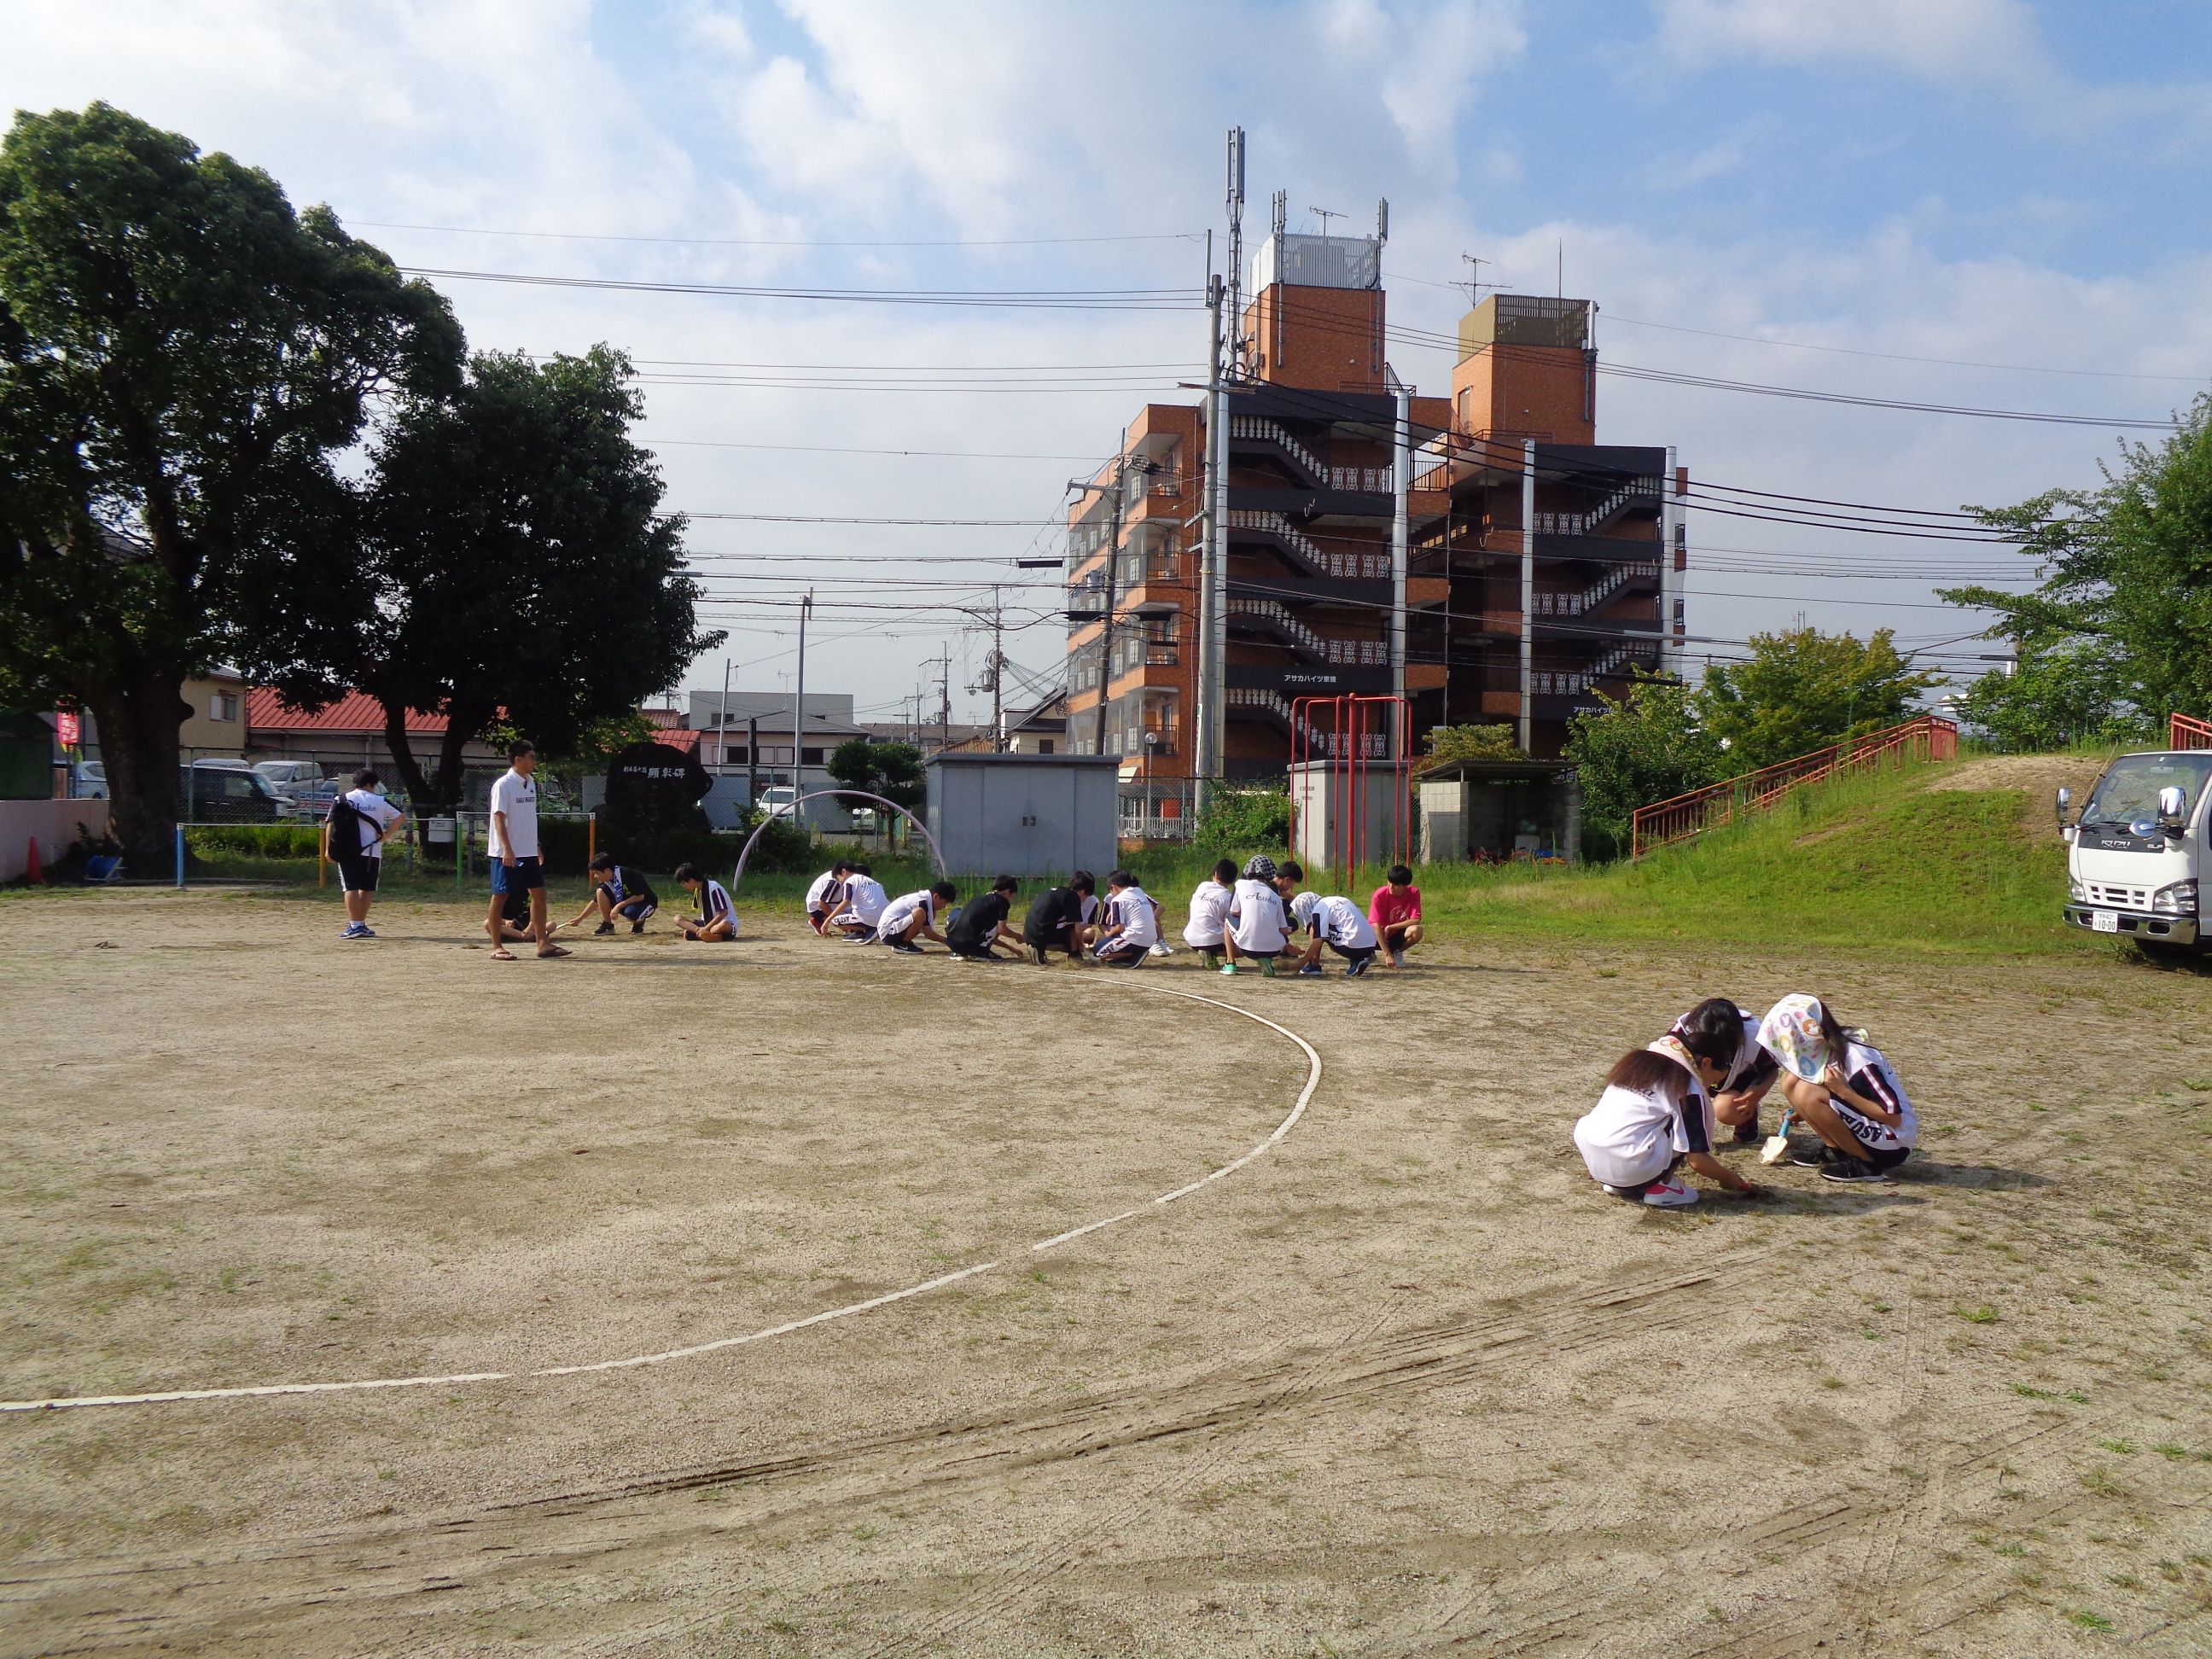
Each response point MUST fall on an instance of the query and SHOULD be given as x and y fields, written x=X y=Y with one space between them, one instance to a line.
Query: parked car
x=290 y=777
x=89 y=780
x=780 y=802
x=230 y=792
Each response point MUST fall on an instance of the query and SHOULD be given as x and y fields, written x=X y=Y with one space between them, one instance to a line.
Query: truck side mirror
x=2065 y=800
x=2171 y=801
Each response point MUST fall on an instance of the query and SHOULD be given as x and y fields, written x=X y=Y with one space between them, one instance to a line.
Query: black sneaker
x=1746 y=1134
x=1817 y=1155
x=604 y=927
x=907 y=948
x=1851 y=1169
x=637 y=927
x=1355 y=969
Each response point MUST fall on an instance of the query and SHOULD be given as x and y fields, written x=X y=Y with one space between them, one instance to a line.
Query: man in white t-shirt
x=1209 y=913
x=913 y=916
x=516 y=866
x=1340 y=925
x=360 y=858
x=864 y=903
x=1132 y=926
x=1258 y=929
x=824 y=892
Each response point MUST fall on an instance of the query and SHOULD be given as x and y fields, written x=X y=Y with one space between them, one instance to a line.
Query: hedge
x=255 y=841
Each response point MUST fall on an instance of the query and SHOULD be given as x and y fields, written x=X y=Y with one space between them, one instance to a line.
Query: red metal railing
x=1355 y=737
x=1666 y=821
x=2184 y=732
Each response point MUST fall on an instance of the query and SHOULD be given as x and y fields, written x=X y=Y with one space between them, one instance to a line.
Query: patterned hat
x=1259 y=867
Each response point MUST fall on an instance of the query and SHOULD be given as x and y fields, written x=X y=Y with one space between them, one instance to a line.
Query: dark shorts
x=517 y=878
x=1129 y=957
x=358 y=874
x=1355 y=952
x=637 y=907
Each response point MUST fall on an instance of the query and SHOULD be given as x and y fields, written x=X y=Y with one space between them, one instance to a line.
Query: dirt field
x=1407 y=1383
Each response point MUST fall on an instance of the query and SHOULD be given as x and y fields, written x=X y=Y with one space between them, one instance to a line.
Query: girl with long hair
x=1656 y=1114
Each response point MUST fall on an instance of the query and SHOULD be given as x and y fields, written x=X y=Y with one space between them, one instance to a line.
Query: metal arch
x=745 y=852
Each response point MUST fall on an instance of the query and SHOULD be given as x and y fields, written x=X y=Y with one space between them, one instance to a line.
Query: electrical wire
x=751 y=242
x=1161 y=299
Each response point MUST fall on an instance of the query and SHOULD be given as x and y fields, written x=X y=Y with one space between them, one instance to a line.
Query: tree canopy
x=2120 y=626
x=513 y=544
x=183 y=358
x=1803 y=688
x=1645 y=747
x=892 y=770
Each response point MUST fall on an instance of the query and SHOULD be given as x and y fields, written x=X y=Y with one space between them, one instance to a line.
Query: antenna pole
x=1236 y=203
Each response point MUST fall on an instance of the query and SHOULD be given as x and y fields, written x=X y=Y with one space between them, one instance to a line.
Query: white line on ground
x=265 y=1390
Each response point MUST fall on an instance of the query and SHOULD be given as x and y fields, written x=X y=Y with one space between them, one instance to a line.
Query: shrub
x=1245 y=819
x=254 y=841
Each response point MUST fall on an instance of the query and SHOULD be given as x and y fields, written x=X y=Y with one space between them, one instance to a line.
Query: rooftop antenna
x=1325 y=215
x=1282 y=216
x=1560 y=291
x=1381 y=221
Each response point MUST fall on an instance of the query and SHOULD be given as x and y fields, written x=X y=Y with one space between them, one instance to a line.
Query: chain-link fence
x=1163 y=810
x=214 y=786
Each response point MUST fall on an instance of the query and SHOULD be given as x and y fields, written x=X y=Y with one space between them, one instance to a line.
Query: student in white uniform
x=1843 y=1088
x=824 y=892
x=717 y=921
x=1132 y=926
x=1750 y=1076
x=1257 y=927
x=515 y=865
x=1340 y=925
x=864 y=901
x=1209 y=913
x=913 y=916
x=1656 y=1114
x=362 y=862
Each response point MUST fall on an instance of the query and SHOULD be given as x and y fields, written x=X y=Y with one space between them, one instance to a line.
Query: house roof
x=676 y=737
x=355 y=712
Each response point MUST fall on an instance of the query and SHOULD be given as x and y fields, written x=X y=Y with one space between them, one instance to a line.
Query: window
x=223 y=706
x=810 y=758
x=1044 y=745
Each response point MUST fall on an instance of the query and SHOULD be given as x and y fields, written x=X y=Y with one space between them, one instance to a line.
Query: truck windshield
x=2129 y=789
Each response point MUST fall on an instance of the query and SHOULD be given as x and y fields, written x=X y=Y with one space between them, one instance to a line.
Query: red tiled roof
x=355 y=712
x=678 y=737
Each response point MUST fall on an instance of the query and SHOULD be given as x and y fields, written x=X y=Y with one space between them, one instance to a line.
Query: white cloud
x=1941 y=39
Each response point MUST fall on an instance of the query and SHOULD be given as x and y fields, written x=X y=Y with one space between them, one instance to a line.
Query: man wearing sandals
x=515 y=865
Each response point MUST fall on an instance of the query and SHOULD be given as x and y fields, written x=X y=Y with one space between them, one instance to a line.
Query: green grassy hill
x=1879 y=859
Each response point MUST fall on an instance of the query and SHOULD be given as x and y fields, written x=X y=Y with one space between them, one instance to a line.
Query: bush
x=1446 y=744
x=254 y=841
x=1245 y=819
x=566 y=842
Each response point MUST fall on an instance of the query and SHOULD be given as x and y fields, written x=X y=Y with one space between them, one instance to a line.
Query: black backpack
x=345 y=822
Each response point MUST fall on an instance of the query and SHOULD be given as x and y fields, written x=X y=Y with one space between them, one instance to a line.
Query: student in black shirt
x=1055 y=921
x=983 y=924
x=618 y=891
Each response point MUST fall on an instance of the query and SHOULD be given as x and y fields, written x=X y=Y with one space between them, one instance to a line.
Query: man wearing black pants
x=1055 y=921
x=983 y=924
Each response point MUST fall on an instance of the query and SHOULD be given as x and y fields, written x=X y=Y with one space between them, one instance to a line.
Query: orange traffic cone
x=34 y=871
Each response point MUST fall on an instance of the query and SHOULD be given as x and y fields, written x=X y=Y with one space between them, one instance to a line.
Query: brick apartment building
x=1311 y=498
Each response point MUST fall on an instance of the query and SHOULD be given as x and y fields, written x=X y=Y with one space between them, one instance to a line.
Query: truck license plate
x=2104 y=921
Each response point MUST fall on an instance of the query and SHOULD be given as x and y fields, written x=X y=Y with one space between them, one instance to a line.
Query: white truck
x=2140 y=852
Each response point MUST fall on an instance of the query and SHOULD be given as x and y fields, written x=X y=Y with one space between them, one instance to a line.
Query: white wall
x=52 y=823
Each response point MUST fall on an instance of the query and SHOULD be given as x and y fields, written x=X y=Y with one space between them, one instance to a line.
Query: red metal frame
x=1665 y=821
x=2182 y=731
x=1346 y=740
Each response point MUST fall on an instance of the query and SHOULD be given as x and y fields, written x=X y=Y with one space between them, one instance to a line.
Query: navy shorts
x=517 y=878
x=358 y=874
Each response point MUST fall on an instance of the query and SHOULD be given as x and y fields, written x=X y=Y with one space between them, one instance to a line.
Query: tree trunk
x=410 y=771
x=140 y=748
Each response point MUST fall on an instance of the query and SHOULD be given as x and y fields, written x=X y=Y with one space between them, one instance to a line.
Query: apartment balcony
x=1329 y=558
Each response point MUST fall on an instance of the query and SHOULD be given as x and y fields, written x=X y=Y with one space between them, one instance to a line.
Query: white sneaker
x=1664 y=1195
x=1162 y=948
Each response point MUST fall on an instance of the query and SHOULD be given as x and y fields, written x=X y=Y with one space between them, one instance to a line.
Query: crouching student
x=824 y=893
x=982 y=923
x=1843 y=1089
x=1395 y=913
x=1656 y=1114
x=862 y=908
x=913 y=916
x=717 y=920
x=1751 y=1074
x=618 y=891
x=1337 y=923
x=1056 y=921
x=1209 y=912
x=1258 y=929
x=1131 y=926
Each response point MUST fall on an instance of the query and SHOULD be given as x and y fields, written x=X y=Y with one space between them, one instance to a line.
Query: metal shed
x=1023 y=815
x=1500 y=810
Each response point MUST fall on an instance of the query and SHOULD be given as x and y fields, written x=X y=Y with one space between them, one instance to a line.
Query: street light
x=1152 y=747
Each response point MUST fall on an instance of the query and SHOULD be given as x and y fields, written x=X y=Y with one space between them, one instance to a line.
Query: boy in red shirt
x=1395 y=911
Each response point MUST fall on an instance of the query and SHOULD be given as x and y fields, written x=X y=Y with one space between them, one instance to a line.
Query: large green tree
x=182 y=360
x=1647 y=746
x=2050 y=696
x=2126 y=594
x=513 y=541
x=1802 y=689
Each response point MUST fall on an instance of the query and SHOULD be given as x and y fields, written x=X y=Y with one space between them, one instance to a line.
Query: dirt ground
x=1407 y=1383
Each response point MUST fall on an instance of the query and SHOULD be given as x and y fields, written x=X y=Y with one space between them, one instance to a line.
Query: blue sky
x=1987 y=180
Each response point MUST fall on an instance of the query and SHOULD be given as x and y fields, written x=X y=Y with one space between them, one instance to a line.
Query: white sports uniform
x=1256 y=919
x=865 y=903
x=821 y=892
x=376 y=814
x=1631 y=1137
x=900 y=913
x=1130 y=923
x=1343 y=924
x=714 y=904
x=1209 y=910
x=1869 y=1074
x=515 y=798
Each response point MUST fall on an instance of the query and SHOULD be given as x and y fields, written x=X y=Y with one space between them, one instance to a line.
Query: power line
x=755 y=241
x=1156 y=299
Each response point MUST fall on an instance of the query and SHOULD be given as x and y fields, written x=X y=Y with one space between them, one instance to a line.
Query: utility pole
x=1527 y=590
x=1207 y=762
x=1106 y=623
x=722 y=720
x=752 y=758
x=798 y=708
x=945 y=701
x=998 y=673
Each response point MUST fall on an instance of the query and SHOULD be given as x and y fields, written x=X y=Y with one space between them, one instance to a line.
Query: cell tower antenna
x=1236 y=252
x=1381 y=221
x=1282 y=217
